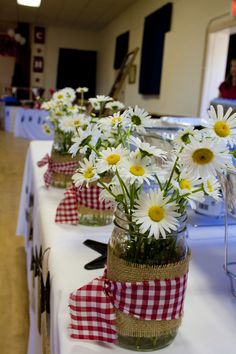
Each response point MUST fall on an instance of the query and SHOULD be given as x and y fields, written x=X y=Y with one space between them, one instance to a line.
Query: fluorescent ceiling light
x=32 y=3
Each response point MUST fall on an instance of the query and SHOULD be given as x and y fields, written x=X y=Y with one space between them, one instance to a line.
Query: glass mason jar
x=91 y=216
x=143 y=250
x=62 y=180
x=94 y=217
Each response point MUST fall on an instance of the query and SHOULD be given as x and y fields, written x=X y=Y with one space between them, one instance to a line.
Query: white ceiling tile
x=85 y=14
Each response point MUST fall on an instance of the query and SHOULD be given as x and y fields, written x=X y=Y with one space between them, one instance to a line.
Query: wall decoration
x=123 y=73
x=39 y=35
x=38 y=57
x=155 y=27
x=122 y=46
x=38 y=64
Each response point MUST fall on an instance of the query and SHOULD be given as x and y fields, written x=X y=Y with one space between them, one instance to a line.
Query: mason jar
x=139 y=250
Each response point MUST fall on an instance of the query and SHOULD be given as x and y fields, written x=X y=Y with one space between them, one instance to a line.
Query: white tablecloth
x=28 y=124
x=209 y=322
x=10 y=118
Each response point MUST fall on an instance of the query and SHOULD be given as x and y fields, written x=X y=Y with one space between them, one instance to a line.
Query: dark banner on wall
x=155 y=27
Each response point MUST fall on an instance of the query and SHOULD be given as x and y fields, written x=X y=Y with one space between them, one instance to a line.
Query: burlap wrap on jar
x=120 y=270
x=63 y=180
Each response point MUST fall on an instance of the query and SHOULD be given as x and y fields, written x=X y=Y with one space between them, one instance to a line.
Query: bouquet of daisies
x=66 y=117
x=153 y=196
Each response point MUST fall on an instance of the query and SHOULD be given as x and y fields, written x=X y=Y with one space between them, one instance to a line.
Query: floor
x=14 y=321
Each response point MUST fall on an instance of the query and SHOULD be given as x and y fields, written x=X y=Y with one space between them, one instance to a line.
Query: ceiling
x=84 y=14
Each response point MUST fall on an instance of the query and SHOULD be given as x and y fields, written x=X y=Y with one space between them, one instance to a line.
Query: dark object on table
x=100 y=261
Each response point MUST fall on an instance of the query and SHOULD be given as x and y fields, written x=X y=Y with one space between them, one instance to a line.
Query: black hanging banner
x=155 y=27
x=122 y=46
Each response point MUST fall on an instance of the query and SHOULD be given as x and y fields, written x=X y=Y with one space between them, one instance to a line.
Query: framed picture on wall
x=39 y=35
x=38 y=64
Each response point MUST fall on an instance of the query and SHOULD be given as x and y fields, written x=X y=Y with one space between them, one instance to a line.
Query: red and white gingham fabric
x=91 y=307
x=67 y=210
x=92 y=314
x=67 y=168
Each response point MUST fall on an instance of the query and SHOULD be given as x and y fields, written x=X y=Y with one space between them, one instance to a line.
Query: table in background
x=28 y=124
x=209 y=321
x=10 y=118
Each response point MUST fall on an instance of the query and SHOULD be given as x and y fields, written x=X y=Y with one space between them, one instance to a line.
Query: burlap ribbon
x=120 y=270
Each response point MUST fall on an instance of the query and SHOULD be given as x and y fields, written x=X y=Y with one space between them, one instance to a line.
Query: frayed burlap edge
x=62 y=180
x=120 y=270
x=133 y=327
x=59 y=158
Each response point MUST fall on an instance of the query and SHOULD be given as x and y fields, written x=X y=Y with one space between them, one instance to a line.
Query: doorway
x=217 y=60
x=77 y=68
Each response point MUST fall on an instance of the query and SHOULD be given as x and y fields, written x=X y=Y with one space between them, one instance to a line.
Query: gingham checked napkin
x=92 y=306
x=67 y=168
x=67 y=210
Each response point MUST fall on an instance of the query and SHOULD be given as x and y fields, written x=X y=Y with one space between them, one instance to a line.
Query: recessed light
x=32 y=3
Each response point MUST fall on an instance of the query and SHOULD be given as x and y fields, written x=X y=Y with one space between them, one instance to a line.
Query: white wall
x=6 y=72
x=183 y=53
x=63 y=37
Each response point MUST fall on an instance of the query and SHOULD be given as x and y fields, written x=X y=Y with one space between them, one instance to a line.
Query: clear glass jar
x=94 y=217
x=149 y=251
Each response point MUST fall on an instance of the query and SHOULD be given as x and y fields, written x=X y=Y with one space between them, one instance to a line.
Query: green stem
x=159 y=183
x=94 y=149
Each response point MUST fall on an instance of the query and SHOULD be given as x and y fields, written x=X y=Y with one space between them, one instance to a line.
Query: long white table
x=209 y=322
x=28 y=124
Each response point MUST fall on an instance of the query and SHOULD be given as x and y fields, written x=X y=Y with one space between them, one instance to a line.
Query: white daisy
x=65 y=95
x=186 y=186
x=205 y=158
x=82 y=89
x=99 y=101
x=66 y=124
x=69 y=94
x=115 y=105
x=86 y=173
x=110 y=197
x=47 y=105
x=113 y=121
x=47 y=130
x=182 y=137
x=147 y=148
x=110 y=158
x=138 y=118
x=155 y=214
x=79 y=120
x=103 y=98
x=212 y=187
x=136 y=169
x=220 y=125
x=84 y=137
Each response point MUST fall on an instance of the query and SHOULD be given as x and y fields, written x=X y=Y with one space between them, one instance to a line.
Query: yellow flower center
x=89 y=172
x=116 y=120
x=137 y=170
x=222 y=129
x=209 y=186
x=113 y=159
x=184 y=184
x=156 y=213
x=202 y=156
x=60 y=97
x=77 y=123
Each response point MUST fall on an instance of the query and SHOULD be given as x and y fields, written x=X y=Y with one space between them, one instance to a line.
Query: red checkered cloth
x=67 y=168
x=92 y=306
x=92 y=314
x=67 y=210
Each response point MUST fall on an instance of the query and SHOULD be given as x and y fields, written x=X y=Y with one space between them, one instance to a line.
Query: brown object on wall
x=123 y=73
